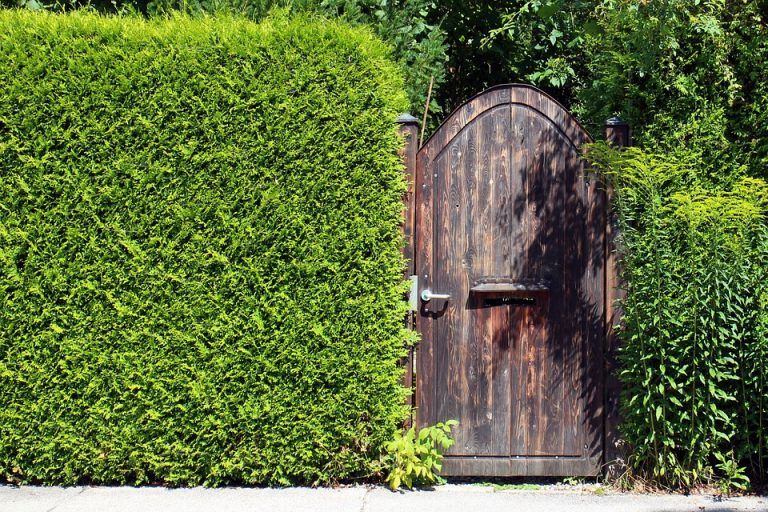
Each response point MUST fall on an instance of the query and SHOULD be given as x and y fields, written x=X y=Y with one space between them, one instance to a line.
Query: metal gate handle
x=427 y=295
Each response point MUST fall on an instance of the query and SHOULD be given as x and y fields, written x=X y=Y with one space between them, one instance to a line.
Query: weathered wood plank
x=594 y=282
x=454 y=365
x=481 y=322
x=409 y=129
x=518 y=229
x=495 y=223
x=574 y=326
x=426 y=389
x=518 y=466
x=450 y=365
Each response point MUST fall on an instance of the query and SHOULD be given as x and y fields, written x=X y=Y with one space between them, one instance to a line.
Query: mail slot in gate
x=502 y=291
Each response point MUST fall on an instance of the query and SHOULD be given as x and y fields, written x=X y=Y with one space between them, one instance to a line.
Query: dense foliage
x=200 y=268
x=418 y=45
x=690 y=77
x=663 y=65
x=695 y=325
x=527 y=41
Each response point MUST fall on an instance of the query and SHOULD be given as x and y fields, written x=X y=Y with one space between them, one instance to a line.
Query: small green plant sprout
x=415 y=458
x=733 y=475
x=572 y=480
x=506 y=486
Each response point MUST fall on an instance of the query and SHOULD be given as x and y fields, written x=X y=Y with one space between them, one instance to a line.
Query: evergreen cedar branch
x=200 y=266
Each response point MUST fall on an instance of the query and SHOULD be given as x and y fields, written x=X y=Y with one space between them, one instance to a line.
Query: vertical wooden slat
x=573 y=325
x=555 y=240
x=426 y=392
x=497 y=220
x=563 y=332
x=464 y=254
x=517 y=229
x=408 y=128
x=594 y=285
x=617 y=133
x=452 y=356
x=548 y=252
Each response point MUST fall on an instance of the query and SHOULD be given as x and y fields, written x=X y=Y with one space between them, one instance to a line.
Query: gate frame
x=617 y=133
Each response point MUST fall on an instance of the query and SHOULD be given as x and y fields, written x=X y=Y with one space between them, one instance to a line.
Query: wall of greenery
x=418 y=44
x=694 y=355
x=690 y=79
x=677 y=70
x=200 y=267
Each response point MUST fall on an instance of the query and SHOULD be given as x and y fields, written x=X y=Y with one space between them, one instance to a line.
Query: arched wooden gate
x=509 y=250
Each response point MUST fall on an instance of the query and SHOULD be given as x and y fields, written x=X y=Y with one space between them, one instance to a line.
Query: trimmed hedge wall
x=200 y=269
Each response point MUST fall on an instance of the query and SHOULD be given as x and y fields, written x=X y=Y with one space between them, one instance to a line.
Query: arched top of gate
x=523 y=95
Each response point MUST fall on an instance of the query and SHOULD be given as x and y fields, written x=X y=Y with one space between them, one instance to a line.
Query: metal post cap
x=406 y=119
x=615 y=121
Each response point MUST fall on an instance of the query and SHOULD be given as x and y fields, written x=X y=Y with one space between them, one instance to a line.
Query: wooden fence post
x=617 y=133
x=409 y=128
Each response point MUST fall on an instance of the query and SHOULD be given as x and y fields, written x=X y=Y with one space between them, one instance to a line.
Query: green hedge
x=694 y=330
x=200 y=268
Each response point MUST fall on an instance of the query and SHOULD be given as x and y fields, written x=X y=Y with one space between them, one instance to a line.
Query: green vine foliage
x=415 y=458
x=501 y=41
x=695 y=345
x=200 y=266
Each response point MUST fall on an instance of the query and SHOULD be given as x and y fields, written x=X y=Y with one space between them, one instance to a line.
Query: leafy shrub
x=200 y=268
x=667 y=57
x=695 y=344
x=413 y=458
x=549 y=36
x=689 y=76
x=685 y=75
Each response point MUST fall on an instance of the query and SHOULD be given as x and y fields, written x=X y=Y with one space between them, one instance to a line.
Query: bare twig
x=426 y=109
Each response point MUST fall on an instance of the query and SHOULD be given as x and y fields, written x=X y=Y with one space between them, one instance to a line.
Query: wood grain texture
x=426 y=391
x=615 y=450
x=409 y=131
x=518 y=466
x=502 y=194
